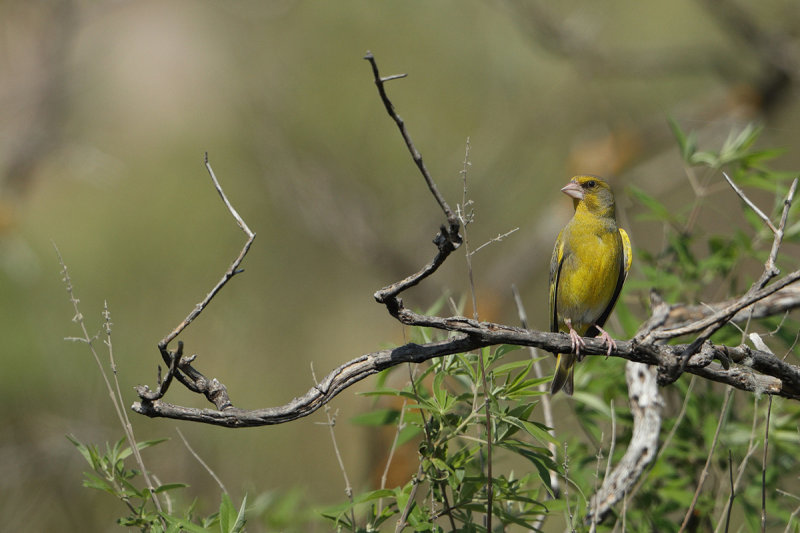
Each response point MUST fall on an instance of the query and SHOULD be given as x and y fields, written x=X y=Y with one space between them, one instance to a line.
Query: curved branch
x=755 y=371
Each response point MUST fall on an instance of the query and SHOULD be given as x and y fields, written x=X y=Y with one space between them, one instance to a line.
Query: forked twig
x=180 y=367
x=756 y=292
x=232 y=270
x=380 y=82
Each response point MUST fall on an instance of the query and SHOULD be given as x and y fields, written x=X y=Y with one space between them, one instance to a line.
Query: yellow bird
x=590 y=262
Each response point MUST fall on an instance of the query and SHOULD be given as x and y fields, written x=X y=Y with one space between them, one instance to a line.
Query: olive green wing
x=555 y=271
x=565 y=363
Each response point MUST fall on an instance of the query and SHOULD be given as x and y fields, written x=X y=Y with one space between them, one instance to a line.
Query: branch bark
x=755 y=371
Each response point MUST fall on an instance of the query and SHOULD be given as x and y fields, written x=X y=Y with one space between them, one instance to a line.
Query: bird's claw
x=611 y=343
x=575 y=341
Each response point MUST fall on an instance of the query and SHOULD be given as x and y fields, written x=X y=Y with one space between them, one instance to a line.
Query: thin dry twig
x=380 y=83
x=613 y=440
x=794 y=514
x=114 y=391
x=764 y=469
x=565 y=465
x=750 y=203
x=232 y=271
x=599 y=459
x=547 y=407
x=733 y=491
x=348 y=489
x=723 y=412
x=751 y=448
x=202 y=463
x=499 y=238
x=464 y=220
x=400 y=427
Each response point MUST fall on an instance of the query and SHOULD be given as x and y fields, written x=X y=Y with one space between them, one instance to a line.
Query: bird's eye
x=591 y=184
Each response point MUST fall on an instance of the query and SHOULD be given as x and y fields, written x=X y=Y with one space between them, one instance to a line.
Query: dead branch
x=646 y=405
x=179 y=367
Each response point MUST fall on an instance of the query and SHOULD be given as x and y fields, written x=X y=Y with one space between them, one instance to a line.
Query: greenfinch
x=590 y=262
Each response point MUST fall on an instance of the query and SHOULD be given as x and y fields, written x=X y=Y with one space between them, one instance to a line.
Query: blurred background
x=106 y=109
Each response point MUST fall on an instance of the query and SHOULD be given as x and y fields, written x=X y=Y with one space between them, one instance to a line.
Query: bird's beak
x=573 y=189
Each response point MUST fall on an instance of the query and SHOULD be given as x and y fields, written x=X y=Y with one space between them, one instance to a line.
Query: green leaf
x=92 y=481
x=687 y=144
x=175 y=523
x=508 y=367
x=227 y=513
x=170 y=486
x=503 y=349
x=373 y=495
x=378 y=417
x=126 y=452
x=592 y=401
x=83 y=449
x=658 y=210
x=705 y=158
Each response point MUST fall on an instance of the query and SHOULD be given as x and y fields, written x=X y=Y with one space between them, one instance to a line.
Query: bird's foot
x=611 y=343
x=576 y=341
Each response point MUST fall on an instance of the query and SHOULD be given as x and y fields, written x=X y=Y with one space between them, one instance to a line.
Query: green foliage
x=444 y=411
x=693 y=259
x=110 y=474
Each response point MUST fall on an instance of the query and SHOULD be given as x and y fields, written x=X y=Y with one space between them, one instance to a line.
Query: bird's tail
x=562 y=379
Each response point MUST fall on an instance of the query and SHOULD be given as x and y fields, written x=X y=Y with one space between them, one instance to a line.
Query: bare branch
x=379 y=82
x=750 y=203
x=232 y=271
x=755 y=371
x=721 y=317
x=188 y=376
x=646 y=405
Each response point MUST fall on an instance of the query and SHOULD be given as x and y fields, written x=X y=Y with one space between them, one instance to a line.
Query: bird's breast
x=588 y=277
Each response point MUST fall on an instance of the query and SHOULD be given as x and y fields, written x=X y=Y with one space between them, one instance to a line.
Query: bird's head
x=591 y=193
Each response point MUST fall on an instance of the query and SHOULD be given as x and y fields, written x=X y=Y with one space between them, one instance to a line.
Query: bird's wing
x=555 y=271
x=627 y=259
x=627 y=250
